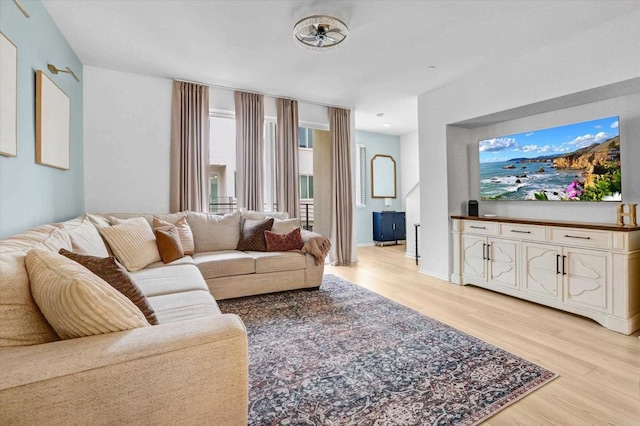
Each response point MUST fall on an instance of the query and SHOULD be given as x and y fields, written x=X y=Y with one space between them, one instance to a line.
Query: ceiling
x=381 y=68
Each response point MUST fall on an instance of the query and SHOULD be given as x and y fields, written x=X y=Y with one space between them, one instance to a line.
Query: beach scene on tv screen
x=575 y=162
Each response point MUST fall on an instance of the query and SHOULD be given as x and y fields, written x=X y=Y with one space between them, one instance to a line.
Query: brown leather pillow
x=169 y=245
x=110 y=271
x=252 y=234
x=284 y=242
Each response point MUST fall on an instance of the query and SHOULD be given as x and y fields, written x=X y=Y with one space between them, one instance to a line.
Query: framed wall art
x=9 y=98
x=52 y=123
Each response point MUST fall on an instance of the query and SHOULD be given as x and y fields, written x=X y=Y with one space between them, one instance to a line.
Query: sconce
x=55 y=70
x=22 y=9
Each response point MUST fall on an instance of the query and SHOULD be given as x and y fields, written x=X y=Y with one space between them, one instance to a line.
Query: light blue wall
x=31 y=194
x=376 y=143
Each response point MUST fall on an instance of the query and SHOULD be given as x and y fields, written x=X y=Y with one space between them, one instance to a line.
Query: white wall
x=127 y=135
x=525 y=87
x=410 y=192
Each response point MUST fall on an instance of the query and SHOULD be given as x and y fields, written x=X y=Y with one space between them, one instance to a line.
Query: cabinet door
x=400 y=231
x=503 y=256
x=586 y=278
x=386 y=226
x=474 y=264
x=542 y=270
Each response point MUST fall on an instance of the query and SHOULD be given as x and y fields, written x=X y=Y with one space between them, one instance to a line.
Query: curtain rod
x=219 y=86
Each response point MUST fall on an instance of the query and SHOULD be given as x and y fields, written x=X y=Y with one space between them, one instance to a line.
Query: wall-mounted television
x=575 y=162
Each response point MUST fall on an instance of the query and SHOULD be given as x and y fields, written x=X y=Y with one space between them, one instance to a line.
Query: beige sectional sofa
x=191 y=368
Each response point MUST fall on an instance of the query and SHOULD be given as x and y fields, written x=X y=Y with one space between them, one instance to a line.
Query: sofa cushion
x=252 y=234
x=75 y=301
x=187 y=260
x=168 y=242
x=21 y=322
x=224 y=263
x=184 y=232
x=256 y=215
x=133 y=243
x=169 y=279
x=285 y=226
x=184 y=306
x=98 y=220
x=85 y=238
x=283 y=242
x=117 y=277
x=213 y=232
x=277 y=261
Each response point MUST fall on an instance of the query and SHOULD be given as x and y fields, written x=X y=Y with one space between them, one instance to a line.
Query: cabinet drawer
x=523 y=232
x=580 y=237
x=480 y=228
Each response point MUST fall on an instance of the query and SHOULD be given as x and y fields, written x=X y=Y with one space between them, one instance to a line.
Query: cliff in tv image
x=600 y=178
x=593 y=158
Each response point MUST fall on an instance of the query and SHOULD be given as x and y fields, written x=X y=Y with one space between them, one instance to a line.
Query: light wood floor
x=599 y=369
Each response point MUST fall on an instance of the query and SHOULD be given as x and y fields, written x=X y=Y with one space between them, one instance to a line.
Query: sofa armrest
x=187 y=372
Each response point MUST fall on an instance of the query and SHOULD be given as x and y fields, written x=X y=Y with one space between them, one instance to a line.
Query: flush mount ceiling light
x=320 y=32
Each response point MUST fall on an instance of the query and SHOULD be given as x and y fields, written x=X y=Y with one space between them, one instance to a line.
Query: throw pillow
x=133 y=243
x=184 y=232
x=283 y=242
x=85 y=238
x=213 y=232
x=252 y=235
x=117 y=277
x=285 y=226
x=168 y=242
x=75 y=301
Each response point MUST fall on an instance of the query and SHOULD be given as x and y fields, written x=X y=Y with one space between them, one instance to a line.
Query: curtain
x=287 y=180
x=341 y=185
x=249 y=150
x=189 y=148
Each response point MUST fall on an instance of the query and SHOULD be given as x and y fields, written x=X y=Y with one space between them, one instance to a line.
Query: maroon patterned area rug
x=343 y=355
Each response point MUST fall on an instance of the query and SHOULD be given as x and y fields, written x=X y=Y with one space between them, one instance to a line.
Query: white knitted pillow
x=133 y=243
x=75 y=301
x=285 y=226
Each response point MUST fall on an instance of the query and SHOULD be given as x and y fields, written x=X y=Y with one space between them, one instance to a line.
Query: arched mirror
x=383 y=176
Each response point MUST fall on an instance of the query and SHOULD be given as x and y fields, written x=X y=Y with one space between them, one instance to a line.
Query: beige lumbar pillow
x=133 y=243
x=75 y=301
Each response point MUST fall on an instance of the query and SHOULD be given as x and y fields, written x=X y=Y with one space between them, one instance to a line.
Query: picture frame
x=53 y=109
x=9 y=98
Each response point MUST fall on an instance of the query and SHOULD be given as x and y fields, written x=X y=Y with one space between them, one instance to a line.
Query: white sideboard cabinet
x=591 y=270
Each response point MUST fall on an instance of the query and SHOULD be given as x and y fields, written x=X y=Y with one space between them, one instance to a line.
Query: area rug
x=343 y=355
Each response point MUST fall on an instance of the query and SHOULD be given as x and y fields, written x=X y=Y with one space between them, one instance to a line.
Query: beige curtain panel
x=287 y=181
x=249 y=150
x=342 y=193
x=189 y=148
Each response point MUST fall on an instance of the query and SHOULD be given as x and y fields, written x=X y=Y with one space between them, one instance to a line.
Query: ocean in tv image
x=576 y=162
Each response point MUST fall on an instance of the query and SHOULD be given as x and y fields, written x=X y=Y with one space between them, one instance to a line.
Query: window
x=305 y=136
x=270 y=165
x=222 y=160
x=361 y=167
x=306 y=186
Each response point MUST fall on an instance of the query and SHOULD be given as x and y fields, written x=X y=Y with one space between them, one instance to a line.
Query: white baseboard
x=434 y=275
x=366 y=244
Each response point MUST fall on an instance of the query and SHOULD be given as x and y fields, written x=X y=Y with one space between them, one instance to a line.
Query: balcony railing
x=222 y=205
